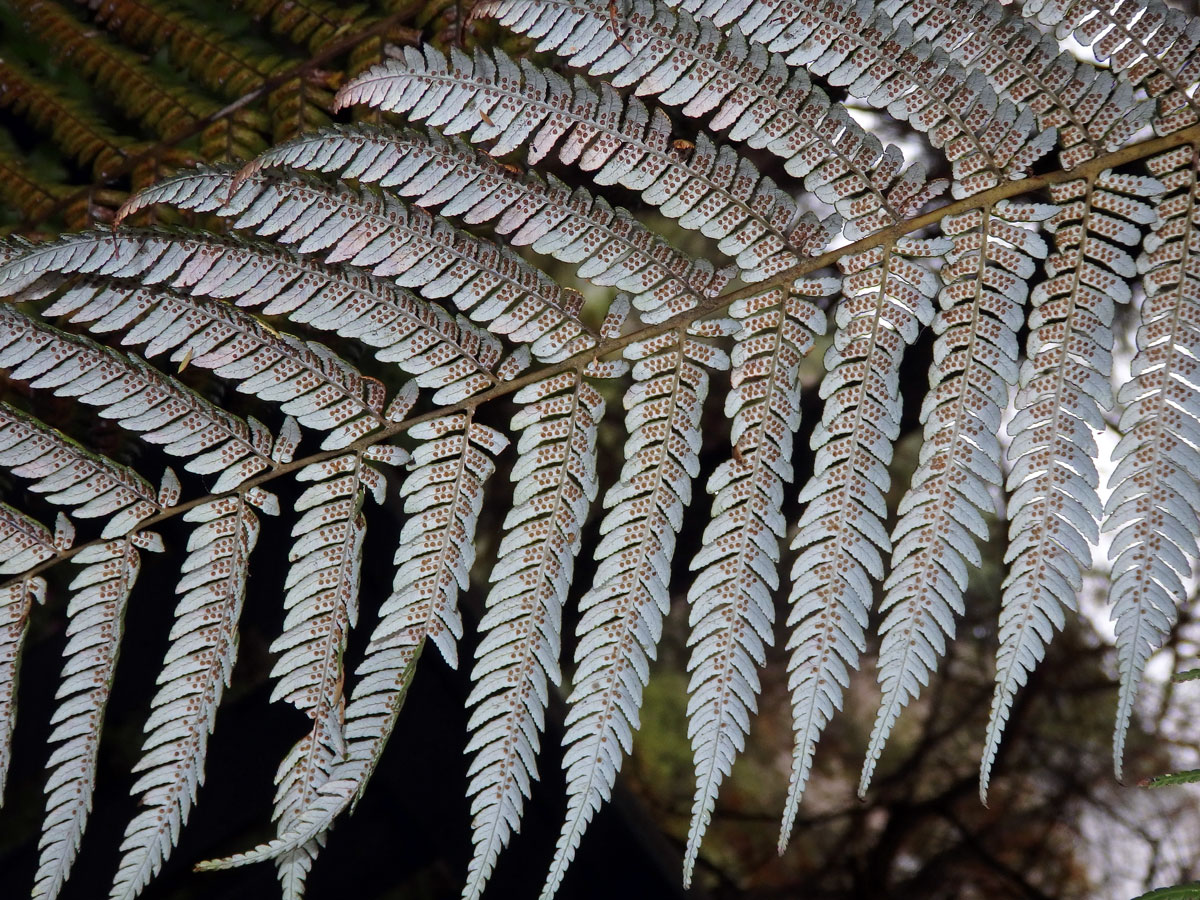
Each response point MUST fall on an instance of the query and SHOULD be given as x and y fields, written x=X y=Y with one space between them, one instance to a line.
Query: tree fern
x=377 y=292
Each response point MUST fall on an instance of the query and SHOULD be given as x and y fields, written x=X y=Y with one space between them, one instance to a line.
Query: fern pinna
x=314 y=276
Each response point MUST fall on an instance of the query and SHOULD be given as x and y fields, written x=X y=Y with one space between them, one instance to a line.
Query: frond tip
x=517 y=657
x=886 y=293
x=1064 y=387
x=197 y=669
x=97 y=614
x=942 y=513
x=1152 y=510
x=621 y=616
x=731 y=608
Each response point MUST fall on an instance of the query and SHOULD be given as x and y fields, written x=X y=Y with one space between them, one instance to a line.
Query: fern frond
x=1152 y=44
x=887 y=297
x=23 y=544
x=453 y=356
x=1092 y=110
x=443 y=495
x=223 y=65
x=1152 y=508
x=491 y=284
x=96 y=616
x=69 y=475
x=1064 y=386
x=196 y=670
x=731 y=603
x=986 y=141
x=517 y=657
x=21 y=187
x=707 y=187
x=164 y=109
x=140 y=398
x=322 y=602
x=622 y=613
x=608 y=247
x=757 y=96
x=942 y=513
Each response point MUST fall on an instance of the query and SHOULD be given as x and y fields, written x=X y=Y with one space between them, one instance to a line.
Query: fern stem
x=707 y=306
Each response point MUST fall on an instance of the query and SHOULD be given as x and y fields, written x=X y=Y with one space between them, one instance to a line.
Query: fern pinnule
x=707 y=187
x=67 y=474
x=451 y=356
x=322 y=598
x=307 y=380
x=943 y=511
x=16 y=599
x=140 y=398
x=857 y=45
x=757 y=96
x=1092 y=110
x=732 y=610
x=608 y=246
x=23 y=544
x=887 y=294
x=196 y=670
x=1152 y=508
x=443 y=495
x=518 y=653
x=1154 y=45
x=622 y=613
x=490 y=283
x=96 y=616
x=1064 y=386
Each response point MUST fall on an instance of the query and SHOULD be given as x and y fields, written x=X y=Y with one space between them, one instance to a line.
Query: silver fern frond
x=378 y=294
